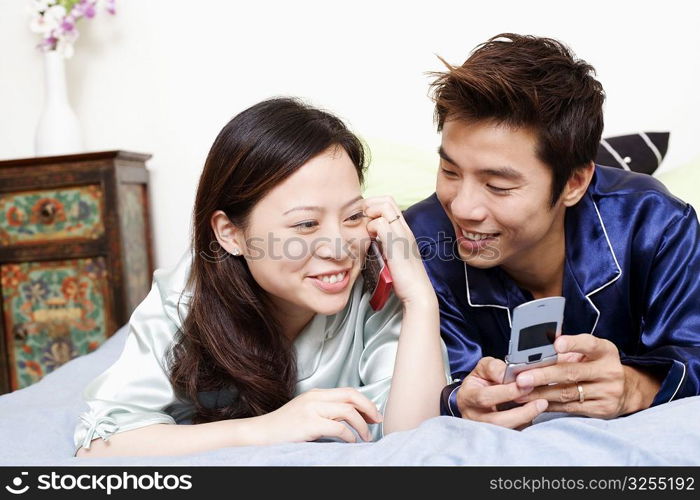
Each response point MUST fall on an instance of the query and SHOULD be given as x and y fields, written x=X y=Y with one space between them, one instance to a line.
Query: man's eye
x=499 y=190
x=448 y=173
x=306 y=225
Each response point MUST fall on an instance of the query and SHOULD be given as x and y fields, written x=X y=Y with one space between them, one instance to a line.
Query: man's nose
x=469 y=205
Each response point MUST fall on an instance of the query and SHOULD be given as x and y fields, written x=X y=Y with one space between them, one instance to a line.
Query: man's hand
x=590 y=380
x=482 y=390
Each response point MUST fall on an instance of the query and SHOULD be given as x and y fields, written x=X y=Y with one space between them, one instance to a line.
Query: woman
x=264 y=335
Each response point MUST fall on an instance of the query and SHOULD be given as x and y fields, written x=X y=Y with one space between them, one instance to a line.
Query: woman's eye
x=356 y=217
x=306 y=225
x=499 y=190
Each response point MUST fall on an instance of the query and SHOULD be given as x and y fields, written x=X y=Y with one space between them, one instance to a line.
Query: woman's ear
x=577 y=185
x=229 y=236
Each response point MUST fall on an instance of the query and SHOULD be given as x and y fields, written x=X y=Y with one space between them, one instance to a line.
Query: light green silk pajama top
x=354 y=348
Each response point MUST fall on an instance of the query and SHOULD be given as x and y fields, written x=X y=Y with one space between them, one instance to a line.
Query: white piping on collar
x=619 y=271
x=469 y=298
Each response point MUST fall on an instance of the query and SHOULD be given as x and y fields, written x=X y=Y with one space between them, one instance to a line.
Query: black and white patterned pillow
x=641 y=152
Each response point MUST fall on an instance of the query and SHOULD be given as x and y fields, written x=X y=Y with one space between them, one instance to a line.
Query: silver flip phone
x=535 y=327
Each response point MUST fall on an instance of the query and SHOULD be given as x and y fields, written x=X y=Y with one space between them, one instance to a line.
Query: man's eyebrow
x=505 y=171
x=446 y=157
x=318 y=209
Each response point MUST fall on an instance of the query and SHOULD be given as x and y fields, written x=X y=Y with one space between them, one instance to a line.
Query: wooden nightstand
x=75 y=257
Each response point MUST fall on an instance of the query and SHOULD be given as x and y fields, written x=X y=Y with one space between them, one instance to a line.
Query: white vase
x=58 y=131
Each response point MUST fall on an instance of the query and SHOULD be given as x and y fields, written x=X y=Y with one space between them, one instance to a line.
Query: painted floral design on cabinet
x=50 y=215
x=54 y=311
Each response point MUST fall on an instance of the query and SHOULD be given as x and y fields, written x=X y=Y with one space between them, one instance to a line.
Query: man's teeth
x=332 y=278
x=476 y=236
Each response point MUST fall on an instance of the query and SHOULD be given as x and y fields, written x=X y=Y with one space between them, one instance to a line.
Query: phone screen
x=537 y=336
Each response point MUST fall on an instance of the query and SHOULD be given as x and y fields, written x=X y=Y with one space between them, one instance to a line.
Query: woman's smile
x=331 y=282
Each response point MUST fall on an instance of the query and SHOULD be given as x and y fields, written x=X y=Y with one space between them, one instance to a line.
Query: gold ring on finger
x=581 y=396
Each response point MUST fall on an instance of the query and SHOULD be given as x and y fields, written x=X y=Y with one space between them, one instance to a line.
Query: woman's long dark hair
x=230 y=340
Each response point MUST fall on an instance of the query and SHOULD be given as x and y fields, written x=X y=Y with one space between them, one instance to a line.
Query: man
x=521 y=212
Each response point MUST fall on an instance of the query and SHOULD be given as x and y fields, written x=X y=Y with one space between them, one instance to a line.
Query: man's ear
x=229 y=236
x=577 y=185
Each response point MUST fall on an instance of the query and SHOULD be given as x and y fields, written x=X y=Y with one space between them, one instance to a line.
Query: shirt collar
x=589 y=252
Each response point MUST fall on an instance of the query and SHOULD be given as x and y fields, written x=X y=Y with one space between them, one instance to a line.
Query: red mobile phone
x=377 y=279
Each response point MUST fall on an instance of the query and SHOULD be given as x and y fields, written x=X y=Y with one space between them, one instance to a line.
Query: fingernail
x=379 y=417
x=561 y=346
x=541 y=405
x=525 y=380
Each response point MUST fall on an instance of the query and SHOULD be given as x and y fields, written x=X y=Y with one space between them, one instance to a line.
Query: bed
x=36 y=428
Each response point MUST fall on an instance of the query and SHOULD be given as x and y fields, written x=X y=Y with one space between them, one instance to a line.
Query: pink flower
x=79 y=10
x=57 y=26
x=68 y=24
x=86 y=8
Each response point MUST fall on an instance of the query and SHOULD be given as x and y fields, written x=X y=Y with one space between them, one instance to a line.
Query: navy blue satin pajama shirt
x=631 y=275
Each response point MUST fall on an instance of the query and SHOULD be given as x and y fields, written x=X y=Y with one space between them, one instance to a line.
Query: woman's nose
x=334 y=247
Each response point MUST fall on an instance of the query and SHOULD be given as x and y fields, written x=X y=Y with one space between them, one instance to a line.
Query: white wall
x=164 y=76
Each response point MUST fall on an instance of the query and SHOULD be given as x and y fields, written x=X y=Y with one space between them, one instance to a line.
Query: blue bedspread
x=36 y=428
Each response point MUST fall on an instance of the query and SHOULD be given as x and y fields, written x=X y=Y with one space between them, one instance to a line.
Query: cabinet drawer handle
x=47 y=213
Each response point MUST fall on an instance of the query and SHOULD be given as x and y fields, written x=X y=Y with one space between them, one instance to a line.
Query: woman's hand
x=319 y=413
x=415 y=394
x=410 y=280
